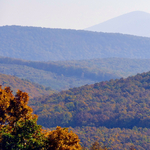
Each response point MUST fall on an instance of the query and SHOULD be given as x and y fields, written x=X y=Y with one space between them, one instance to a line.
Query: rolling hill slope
x=115 y=113
x=15 y=83
x=122 y=103
x=43 y=44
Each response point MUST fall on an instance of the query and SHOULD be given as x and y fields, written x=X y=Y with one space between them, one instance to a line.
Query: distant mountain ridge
x=134 y=23
x=57 y=75
x=61 y=75
x=43 y=44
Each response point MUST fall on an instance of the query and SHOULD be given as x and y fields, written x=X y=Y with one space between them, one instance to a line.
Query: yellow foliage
x=14 y=108
x=62 y=139
x=15 y=114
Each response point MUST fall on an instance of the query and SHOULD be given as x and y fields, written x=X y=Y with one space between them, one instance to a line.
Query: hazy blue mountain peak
x=134 y=23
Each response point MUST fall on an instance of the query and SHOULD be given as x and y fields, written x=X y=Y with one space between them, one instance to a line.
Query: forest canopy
x=121 y=103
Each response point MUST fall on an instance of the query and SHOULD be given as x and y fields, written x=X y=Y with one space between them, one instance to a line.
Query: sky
x=66 y=14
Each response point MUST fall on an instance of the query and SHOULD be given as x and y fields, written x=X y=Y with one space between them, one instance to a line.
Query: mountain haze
x=61 y=75
x=57 y=75
x=134 y=23
x=43 y=44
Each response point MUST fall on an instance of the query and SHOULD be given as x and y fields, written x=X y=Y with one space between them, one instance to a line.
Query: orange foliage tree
x=62 y=139
x=19 y=129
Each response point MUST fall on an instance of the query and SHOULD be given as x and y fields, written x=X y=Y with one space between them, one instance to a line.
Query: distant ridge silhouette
x=134 y=23
x=45 y=44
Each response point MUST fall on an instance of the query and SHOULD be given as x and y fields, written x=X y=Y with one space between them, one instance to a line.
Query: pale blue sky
x=66 y=14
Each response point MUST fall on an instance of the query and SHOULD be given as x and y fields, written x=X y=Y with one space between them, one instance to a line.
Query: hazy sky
x=66 y=14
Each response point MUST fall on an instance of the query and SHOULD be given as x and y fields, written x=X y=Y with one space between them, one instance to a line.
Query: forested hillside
x=44 y=44
x=122 y=103
x=33 y=89
x=115 y=113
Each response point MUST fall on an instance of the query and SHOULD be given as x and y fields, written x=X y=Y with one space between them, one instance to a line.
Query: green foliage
x=26 y=135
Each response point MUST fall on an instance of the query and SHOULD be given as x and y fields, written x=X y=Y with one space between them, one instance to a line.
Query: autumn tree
x=19 y=129
x=62 y=139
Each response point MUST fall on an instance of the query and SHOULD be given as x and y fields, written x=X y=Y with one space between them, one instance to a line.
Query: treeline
x=122 y=103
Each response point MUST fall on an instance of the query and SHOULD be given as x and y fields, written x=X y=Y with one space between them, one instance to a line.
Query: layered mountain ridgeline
x=68 y=74
x=122 y=103
x=56 y=75
x=122 y=67
x=43 y=44
x=33 y=89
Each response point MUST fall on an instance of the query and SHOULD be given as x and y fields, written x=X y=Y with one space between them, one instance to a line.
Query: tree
x=26 y=135
x=62 y=139
x=14 y=108
x=19 y=129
